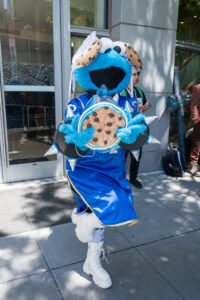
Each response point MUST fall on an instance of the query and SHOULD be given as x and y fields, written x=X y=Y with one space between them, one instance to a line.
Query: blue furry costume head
x=102 y=62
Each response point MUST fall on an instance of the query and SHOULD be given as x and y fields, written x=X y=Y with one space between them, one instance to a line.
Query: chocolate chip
x=94 y=114
x=106 y=108
x=109 y=124
x=115 y=135
x=129 y=47
x=105 y=142
x=96 y=119
x=111 y=115
x=99 y=130
x=89 y=125
x=95 y=140
x=108 y=132
x=89 y=49
x=120 y=118
x=119 y=127
x=131 y=55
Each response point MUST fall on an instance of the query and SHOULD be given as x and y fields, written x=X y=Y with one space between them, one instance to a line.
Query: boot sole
x=103 y=285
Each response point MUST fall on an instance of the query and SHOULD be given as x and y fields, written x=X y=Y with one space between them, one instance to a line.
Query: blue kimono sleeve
x=69 y=149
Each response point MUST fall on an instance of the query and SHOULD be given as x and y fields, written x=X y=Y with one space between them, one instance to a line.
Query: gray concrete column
x=150 y=27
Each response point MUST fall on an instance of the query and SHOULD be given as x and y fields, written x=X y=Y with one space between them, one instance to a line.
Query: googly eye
x=120 y=48
x=106 y=44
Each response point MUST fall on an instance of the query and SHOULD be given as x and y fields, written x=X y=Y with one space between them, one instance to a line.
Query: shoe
x=136 y=183
x=92 y=266
x=194 y=170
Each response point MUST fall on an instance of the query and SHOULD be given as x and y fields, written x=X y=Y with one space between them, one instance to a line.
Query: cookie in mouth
x=110 y=77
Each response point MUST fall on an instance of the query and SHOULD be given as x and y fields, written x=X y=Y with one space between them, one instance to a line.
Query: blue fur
x=104 y=60
x=73 y=137
x=128 y=114
x=137 y=119
x=135 y=127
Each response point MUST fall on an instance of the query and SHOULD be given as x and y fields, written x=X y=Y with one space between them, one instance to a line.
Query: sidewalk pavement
x=158 y=258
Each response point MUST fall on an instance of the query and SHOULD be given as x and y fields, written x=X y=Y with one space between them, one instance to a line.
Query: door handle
x=4 y=148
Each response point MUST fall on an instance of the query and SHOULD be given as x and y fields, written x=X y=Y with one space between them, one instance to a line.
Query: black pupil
x=107 y=50
x=117 y=48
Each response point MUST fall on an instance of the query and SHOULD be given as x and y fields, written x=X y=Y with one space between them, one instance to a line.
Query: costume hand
x=73 y=137
x=136 y=126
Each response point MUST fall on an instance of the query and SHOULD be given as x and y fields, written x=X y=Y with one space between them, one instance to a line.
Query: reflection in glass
x=189 y=68
x=189 y=21
x=89 y=13
x=26 y=34
x=76 y=42
x=30 y=125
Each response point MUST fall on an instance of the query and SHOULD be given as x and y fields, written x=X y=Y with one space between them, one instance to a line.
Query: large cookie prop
x=106 y=120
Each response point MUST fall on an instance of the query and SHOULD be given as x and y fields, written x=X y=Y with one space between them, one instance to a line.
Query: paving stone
x=156 y=221
x=61 y=246
x=132 y=276
x=182 y=195
x=12 y=217
x=46 y=204
x=177 y=259
x=19 y=256
x=35 y=287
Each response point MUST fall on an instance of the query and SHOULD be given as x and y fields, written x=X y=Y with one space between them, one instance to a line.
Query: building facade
x=38 y=39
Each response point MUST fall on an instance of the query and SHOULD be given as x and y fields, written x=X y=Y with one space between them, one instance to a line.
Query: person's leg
x=90 y=230
x=134 y=167
x=92 y=265
x=195 y=150
x=85 y=225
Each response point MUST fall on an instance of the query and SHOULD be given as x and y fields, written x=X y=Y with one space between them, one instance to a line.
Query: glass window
x=76 y=42
x=89 y=13
x=189 y=21
x=30 y=120
x=189 y=68
x=189 y=71
x=26 y=34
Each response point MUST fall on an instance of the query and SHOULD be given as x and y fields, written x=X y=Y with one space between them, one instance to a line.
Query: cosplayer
x=98 y=128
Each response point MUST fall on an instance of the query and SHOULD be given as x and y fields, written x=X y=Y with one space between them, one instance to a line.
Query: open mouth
x=111 y=77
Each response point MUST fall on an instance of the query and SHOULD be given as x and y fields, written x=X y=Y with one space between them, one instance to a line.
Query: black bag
x=172 y=163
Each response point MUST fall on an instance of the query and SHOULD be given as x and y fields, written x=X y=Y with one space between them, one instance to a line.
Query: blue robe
x=99 y=180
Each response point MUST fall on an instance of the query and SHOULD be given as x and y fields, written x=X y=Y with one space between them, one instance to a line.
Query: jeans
x=195 y=149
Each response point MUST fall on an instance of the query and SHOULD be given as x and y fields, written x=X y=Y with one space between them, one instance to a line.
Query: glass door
x=30 y=98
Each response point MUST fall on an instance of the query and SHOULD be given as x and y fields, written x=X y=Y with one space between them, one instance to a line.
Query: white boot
x=85 y=225
x=92 y=266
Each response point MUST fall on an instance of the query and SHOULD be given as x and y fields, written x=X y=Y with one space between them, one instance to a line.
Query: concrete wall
x=1 y=179
x=150 y=26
